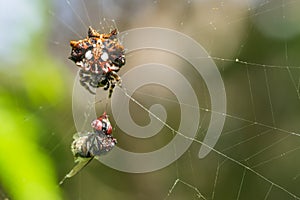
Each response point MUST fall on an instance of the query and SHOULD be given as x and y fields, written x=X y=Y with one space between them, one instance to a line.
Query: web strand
x=212 y=149
x=245 y=122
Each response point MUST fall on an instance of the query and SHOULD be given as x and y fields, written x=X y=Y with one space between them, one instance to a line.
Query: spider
x=99 y=57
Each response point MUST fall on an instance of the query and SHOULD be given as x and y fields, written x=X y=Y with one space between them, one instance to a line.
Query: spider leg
x=111 y=89
x=114 y=79
x=84 y=78
x=106 y=86
x=117 y=78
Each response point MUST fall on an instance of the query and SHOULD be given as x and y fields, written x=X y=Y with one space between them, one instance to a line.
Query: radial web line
x=276 y=157
x=236 y=129
x=286 y=50
x=269 y=96
x=86 y=11
x=253 y=64
x=192 y=168
x=246 y=140
x=241 y=184
x=227 y=115
x=251 y=93
x=215 y=181
x=64 y=23
x=175 y=155
x=268 y=192
x=100 y=6
x=266 y=148
x=298 y=87
x=293 y=82
x=211 y=148
x=76 y=14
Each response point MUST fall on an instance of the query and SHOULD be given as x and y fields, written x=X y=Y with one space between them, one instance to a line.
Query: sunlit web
x=257 y=154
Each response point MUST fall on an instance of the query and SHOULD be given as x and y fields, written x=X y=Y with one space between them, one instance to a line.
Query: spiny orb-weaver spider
x=100 y=57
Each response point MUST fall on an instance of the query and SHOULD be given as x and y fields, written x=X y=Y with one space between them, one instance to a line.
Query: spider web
x=256 y=155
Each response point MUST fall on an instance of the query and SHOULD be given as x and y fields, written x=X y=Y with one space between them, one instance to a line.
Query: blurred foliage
x=31 y=82
x=25 y=169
